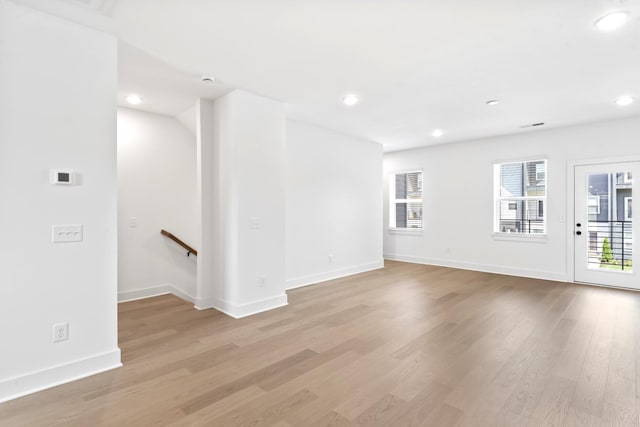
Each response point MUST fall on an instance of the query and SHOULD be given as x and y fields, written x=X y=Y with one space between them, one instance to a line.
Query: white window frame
x=393 y=201
x=626 y=179
x=497 y=233
x=627 y=201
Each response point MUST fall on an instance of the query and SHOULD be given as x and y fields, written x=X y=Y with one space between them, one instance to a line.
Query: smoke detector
x=208 y=80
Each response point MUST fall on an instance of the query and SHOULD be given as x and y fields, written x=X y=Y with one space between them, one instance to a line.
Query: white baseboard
x=204 y=303
x=254 y=307
x=233 y=310
x=330 y=275
x=155 y=291
x=13 y=388
x=485 y=268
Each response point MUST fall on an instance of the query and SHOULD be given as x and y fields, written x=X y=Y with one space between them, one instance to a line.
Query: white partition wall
x=57 y=111
x=334 y=199
x=245 y=229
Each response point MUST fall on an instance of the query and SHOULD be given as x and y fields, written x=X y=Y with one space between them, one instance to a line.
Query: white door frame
x=571 y=212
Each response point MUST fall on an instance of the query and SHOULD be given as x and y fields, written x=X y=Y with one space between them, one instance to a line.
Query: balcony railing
x=611 y=244
x=522 y=226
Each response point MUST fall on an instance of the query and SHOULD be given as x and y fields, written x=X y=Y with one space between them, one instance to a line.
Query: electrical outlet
x=60 y=332
x=261 y=281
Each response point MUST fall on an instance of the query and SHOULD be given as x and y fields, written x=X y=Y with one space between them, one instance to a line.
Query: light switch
x=133 y=222
x=66 y=233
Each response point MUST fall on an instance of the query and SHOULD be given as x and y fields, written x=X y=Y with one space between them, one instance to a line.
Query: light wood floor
x=407 y=345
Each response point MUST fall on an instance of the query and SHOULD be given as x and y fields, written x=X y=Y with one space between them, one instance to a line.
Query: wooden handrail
x=189 y=249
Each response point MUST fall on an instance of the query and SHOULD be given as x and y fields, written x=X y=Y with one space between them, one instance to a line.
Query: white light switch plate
x=66 y=233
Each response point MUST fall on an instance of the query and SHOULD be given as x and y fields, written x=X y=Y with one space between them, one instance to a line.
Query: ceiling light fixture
x=134 y=99
x=437 y=133
x=623 y=101
x=350 y=99
x=612 y=21
x=493 y=102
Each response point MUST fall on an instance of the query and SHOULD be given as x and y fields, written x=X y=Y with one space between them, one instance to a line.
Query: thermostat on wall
x=62 y=177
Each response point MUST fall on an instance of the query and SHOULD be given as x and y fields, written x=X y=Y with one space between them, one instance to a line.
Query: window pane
x=401 y=186
x=523 y=179
x=610 y=224
x=414 y=185
x=535 y=180
x=527 y=217
x=401 y=215
x=414 y=215
x=511 y=180
x=408 y=215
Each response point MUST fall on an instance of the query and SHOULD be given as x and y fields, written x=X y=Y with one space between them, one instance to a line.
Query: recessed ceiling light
x=350 y=99
x=134 y=99
x=612 y=21
x=623 y=101
x=493 y=102
x=437 y=133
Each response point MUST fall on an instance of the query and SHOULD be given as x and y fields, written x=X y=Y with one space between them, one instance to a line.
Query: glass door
x=603 y=230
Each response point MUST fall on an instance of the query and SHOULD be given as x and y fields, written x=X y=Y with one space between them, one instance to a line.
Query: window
x=520 y=190
x=627 y=208
x=540 y=169
x=628 y=178
x=405 y=197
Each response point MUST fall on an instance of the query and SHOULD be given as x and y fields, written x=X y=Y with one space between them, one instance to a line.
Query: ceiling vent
x=532 y=125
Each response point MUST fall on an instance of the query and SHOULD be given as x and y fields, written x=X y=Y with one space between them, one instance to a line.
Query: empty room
x=319 y=213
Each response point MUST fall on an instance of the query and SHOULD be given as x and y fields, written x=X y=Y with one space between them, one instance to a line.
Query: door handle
x=578 y=233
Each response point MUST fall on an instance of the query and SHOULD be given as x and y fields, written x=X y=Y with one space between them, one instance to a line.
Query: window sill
x=515 y=237
x=408 y=231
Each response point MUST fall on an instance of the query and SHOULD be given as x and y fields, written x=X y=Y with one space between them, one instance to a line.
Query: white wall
x=249 y=223
x=209 y=205
x=157 y=187
x=57 y=110
x=458 y=198
x=334 y=196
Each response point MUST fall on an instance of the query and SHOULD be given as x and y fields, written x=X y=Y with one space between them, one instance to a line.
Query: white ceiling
x=417 y=65
x=164 y=88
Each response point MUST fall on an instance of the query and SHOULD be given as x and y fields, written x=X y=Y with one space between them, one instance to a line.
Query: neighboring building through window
x=520 y=190
x=405 y=196
x=627 y=208
x=594 y=205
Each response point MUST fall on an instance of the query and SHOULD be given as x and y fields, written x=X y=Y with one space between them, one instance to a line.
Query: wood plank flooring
x=408 y=345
